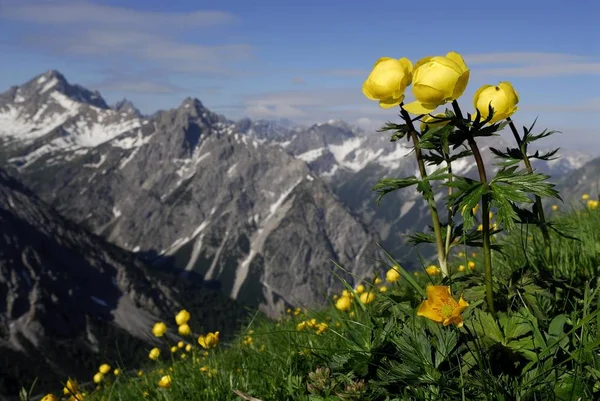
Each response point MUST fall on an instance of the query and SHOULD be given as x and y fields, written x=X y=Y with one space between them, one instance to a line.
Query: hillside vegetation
x=371 y=345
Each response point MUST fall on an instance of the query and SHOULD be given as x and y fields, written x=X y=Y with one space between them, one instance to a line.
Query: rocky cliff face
x=185 y=189
x=68 y=298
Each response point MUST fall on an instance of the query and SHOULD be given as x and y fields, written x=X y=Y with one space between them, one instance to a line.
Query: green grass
x=544 y=343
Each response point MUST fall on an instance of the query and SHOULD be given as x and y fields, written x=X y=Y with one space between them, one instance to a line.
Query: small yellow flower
x=209 y=341
x=154 y=354
x=180 y=344
x=461 y=254
x=491 y=214
x=104 y=368
x=140 y=373
x=461 y=268
x=392 y=275
x=184 y=330
x=174 y=349
x=344 y=303
x=117 y=372
x=436 y=81
x=360 y=289
x=388 y=81
x=249 y=340
x=182 y=317
x=555 y=207
x=351 y=314
x=585 y=196
x=338 y=324
x=165 y=381
x=346 y=293
x=98 y=377
x=262 y=348
x=70 y=387
x=297 y=311
x=471 y=264
x=592 y=204
x=321 y=327
x=188 y=347
x=50 y=397
x=288 y=311
x=159 y=329
x=480 y=227
x=432 y=270
x=367 y=297
x=503 y=98
x=377 y=280
x=250 y=332
x=416 y=274
x=183 y=356
x=383 y=288
x=474 y=254
x=335 y=297
x=441 y=307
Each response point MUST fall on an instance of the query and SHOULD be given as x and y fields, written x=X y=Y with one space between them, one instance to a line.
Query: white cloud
x=512 y=64
x=90 y=30
x=86 y=13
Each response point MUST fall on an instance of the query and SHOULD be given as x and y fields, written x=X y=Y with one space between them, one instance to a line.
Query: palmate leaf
x=401 y=130
x=387 y=185
x=546 y=156
x=511 y=153
x=512 y=181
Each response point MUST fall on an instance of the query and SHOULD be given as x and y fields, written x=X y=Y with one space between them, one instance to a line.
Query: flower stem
x=485 y=216
x=437 y=229
x=538 y=200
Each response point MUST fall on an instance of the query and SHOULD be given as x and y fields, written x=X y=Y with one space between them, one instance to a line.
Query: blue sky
x=306 y=60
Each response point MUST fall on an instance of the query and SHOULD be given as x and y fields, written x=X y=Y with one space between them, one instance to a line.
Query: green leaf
x=485 y=326
x=514 y=327
x=387 y=185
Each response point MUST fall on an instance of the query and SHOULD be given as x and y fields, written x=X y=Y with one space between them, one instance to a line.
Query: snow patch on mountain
x=312 y=155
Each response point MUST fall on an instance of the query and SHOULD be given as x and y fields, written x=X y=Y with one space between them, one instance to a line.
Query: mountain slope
x=69 y=299
x=191 y=193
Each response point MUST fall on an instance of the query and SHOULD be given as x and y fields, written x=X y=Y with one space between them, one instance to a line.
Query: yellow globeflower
x=182 y=317
x=441 y=307
x=383 y=288
x=461 y=254
x=188 y=348
x=436 y=81
x=321 y=327
x=104 y=368
x=174 y=349
x=503 y=98
x=159 y=329
x=140 y=373
x=461 y=268
x=50 y=397
x=165 y=381
x=429 y=122
x=180 y=344
x=392 y=275
x=585 y=196
x=367 y=297
x=209 y=341
x=184 y=330
x=154 y=354
x=377 y=280
x=432 y=270
x=117 y=372
x=343 y=303
x=346 y=293
x=360 y=289
x=555 y=207
x=592 y=204
x=70 y=387
x=471 y=264
x=388 y=81
x=98 y=377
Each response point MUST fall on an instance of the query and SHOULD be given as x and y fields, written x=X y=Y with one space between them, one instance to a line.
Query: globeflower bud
x=503 y=98
x=388 y=81
x=436 y=81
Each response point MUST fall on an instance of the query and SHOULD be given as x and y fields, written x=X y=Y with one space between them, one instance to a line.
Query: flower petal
x=392 y=102
x=427 y=310
x=417 y=107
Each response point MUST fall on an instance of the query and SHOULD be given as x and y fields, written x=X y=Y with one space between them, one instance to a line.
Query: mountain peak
x=192 y=102
x=53 y=80
x=126 y=106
